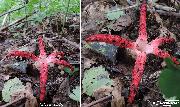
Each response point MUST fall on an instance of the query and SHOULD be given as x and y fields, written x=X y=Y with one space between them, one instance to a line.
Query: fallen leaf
x=120 y=23
x=28 y=93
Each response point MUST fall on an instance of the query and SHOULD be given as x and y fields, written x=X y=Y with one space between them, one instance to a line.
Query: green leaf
x=170 y=64
x=94 y=79
x=76 y=94
x=43 y=8
x=114 y=14
x=10 y=87
x=169 y=81
x=67 y=70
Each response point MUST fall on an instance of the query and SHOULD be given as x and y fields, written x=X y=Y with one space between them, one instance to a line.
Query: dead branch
x=13 y=102
x=55 y=38
x=11 y=11
x=97 y=101
x=166 y=8
x=169 y=13
x=4 y=20
x=70 y=42
x=15 y=22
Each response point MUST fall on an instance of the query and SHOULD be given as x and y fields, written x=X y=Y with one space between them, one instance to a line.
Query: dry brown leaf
x=164 y=32
x=100 y=93
x=118 y=100
x=93 y=16
x=120 y=23
x=88 y=63
x=28 y=93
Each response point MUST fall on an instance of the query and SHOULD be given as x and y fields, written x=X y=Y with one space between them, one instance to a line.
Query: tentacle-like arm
x=137 y=75
x=25 y=54
x=159 y=41
x=41 y=46
x=43 y=79
x=164 y=54
x=142 y=23
x=111 y=39
x=64 y=63
x=55 y=54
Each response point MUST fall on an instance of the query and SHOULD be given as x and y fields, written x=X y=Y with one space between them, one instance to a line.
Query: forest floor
x=23 y=36
x=116 y=60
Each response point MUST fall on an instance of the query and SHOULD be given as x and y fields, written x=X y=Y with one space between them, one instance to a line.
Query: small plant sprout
x=141 y=47
x=41 y=62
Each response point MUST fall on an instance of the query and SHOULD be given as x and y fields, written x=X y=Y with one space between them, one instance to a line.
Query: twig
x=169 y=13
x=13 y=23
x=125 y=8
x=70 y=42
x=11 y=11
x=55 y=38
x=67 y=9
x=4 y=20
x=166 y=8
x=98 y=101
x=10 y=103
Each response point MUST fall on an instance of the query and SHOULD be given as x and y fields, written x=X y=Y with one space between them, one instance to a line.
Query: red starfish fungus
x=140 y=48
x=41 y=62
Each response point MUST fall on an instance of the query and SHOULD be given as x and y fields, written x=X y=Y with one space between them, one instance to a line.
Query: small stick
x=166 y=8
x=13 y=23
x=62 y=39
x=11 y=11
x=98 y=101
x=125 y=8
x=4 y=20
x=70 y=42
x=169 y=13
x=10 y=103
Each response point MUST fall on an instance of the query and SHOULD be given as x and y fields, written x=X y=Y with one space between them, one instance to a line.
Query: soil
x=121 y=66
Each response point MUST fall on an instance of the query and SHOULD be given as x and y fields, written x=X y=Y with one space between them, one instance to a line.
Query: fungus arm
x=111 y=39
x=137 y=75
x=64 y=63
x=25 y=54
x=164 y=54
x=43 y=80
x=41 y=46
x=142 y=23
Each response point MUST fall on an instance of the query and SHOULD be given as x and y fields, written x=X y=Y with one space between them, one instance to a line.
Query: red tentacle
x=159 y=41
x=43 y=79
x=137 y=75
x=164 y=54
x=111 y=39
x=175 y=60
x=64 y=63
x=41 y=46
x=142 y=23
x=55 y=54
x=25 y=54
